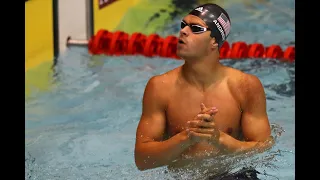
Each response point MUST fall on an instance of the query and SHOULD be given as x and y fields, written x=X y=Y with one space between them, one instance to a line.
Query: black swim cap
x=216 y=18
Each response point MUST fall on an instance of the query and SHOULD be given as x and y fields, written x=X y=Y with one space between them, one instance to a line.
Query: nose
x=184 y=31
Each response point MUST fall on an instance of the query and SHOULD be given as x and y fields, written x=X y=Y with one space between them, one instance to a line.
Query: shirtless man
x=201 y=108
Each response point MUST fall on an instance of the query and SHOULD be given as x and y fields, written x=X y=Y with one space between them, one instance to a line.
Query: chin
x=185 y=56
x=181 y=54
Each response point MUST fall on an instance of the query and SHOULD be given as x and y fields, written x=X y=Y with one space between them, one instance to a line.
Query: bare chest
x=184 y=105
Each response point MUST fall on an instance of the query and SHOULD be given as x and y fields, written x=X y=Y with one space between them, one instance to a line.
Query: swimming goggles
x=196 y=29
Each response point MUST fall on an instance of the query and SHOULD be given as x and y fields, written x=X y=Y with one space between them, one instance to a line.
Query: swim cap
x=216 y=18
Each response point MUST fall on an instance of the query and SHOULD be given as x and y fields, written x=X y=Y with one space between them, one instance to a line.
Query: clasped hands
x=203 y=127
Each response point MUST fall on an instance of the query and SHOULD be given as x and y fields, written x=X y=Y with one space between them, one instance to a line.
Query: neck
x=202 y=72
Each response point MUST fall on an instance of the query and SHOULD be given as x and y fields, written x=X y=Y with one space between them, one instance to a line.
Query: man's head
x=203 y=31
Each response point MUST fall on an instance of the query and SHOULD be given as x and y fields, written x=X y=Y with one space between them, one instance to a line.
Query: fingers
x=198 y=137
x=202 y=130
x=202 y=107
x=205 y=117
x=210 y=111
x=196 y=134
x=201 y=124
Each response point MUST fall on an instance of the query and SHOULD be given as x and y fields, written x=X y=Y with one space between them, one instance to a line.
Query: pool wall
x=48 y=23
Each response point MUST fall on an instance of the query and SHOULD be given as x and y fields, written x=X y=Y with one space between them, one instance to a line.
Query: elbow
x=265 y=144
x=141 y=168
x=140 y=164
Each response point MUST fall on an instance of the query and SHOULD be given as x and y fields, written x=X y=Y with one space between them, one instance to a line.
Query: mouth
x=181 y=41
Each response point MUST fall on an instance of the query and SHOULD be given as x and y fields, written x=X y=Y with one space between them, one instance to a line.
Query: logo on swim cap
x=223 y=25
x=224 y=21
x=199 y=9
x=220 y=29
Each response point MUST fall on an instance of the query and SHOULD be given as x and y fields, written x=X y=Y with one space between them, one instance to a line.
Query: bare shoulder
x=243 y=81
x=164 y=80
x=160 y=85
x=244 y=85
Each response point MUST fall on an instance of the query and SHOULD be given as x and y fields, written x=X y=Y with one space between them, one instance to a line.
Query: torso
x=184 y=104
x=181 y=109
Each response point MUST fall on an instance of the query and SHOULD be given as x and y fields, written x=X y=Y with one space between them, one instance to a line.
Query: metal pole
x=55 y=9
x=75 y=42
x=89 y=18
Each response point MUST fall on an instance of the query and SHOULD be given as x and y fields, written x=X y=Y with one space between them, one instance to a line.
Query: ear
x=214 y=43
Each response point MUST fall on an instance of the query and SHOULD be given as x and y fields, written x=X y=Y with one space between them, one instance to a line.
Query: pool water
x=84 y=127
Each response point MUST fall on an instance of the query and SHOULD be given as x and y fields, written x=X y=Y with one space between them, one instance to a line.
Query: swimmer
x=201 y=109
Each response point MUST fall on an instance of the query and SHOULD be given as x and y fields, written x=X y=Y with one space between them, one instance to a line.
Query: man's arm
x=254 y=122
x=150 y=149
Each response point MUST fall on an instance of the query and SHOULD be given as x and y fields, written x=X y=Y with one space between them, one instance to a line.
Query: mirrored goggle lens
x=194 y=28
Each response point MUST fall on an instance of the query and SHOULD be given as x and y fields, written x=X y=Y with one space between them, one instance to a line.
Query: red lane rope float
x=169 y=47
x=290 y=53
x=97 y=43
x=274 y=51
x=239 y=50
x=151 y=45
x=136 y=44
x=120 y=43
x=256 y=50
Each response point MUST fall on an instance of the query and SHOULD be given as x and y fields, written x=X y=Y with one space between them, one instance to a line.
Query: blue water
x=84 y=128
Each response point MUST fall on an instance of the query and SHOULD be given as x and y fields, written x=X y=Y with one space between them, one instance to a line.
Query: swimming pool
x=84 y=128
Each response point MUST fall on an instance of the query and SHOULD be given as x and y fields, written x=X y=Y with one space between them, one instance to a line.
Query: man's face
x=193 y=44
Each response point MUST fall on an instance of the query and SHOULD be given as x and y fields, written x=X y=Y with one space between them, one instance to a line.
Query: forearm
x=150 y=155
x=232 y=145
